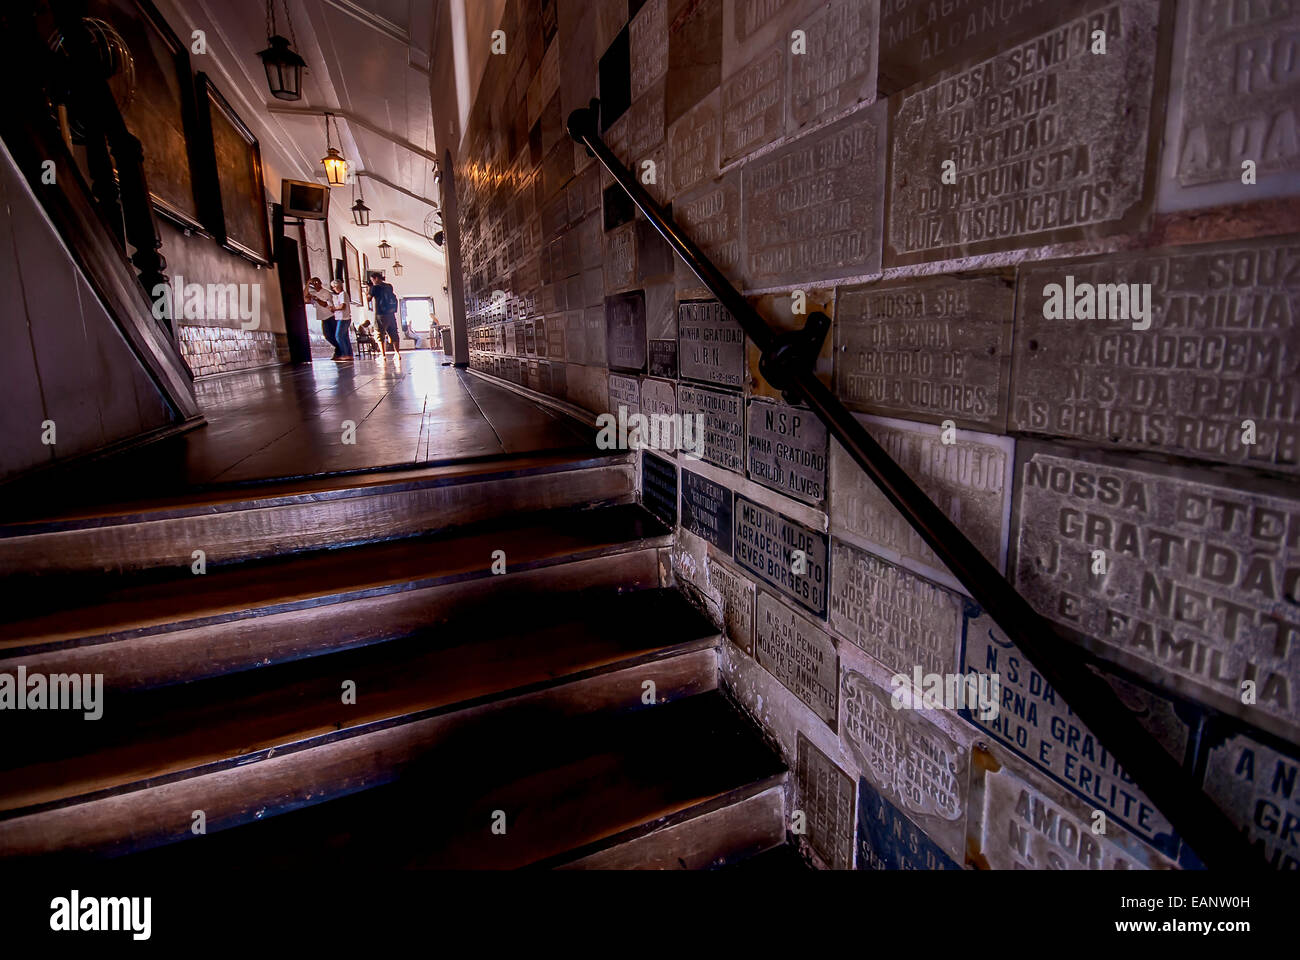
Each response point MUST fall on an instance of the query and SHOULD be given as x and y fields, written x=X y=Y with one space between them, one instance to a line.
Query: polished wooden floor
x=289 y=421
x=319 y=418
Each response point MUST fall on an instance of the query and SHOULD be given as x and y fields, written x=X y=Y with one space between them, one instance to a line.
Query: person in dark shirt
x=385 y=301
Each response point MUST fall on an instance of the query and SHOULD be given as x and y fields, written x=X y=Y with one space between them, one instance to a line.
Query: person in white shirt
x=339 y=305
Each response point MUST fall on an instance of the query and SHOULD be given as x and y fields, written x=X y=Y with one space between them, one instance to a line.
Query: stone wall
x=971 y=191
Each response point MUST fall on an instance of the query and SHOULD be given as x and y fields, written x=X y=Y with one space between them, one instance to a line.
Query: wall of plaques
x=1057 y=244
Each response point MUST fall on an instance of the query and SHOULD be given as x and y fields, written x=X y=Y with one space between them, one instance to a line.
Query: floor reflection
x=325 y=417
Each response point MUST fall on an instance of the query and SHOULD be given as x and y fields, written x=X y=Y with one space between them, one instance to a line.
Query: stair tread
x=44 y=516
x=161 y=733
x=566 y=791
x=141 y=603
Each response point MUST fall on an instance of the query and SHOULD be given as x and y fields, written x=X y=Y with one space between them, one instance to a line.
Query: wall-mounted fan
x=433 y=228
x=112 y=60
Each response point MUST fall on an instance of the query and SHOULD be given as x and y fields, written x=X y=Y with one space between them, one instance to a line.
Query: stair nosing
x=705 y=642
x=737 y=794
x=14 y=530
x=324 y=600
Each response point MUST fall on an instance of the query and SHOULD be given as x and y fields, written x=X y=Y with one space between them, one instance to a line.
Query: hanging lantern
x=360 y=212
x=385 y=248
x=397 y=264
x=336 y=168
x=283 y=66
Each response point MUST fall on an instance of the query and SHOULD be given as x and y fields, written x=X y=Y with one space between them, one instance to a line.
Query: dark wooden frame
x=191 y=219
x=352 y=262
x=209 y=96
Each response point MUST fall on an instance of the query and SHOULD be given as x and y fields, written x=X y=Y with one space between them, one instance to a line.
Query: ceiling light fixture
x=360 y=212
x=385 y=248
x=397 y=264
x=336 y=168
x=283 y=66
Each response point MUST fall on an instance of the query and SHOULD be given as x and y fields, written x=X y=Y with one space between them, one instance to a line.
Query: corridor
x=322 y=418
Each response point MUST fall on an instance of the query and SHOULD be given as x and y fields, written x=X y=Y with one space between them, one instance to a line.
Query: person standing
x=385 y=300
x=342 y=326
x=314 y=294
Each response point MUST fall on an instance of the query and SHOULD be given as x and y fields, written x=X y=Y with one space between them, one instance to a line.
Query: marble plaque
x=593 y=320
x=724 y=424
x=625 y=340
x=887 y=840
x=737 y=596
x=753 y=104
x=750 y=27
x=969 y=479
x=693 y=147
x=813 y=209
x=710 y=216
x=824 y=793
x=797 y=652
x=934 y=349
x=896 y=618
x=1200 y=579
x=839 y=69
x=624 y=392
x=707 y=510
x=1024 y=825
x=555 y=337
x=1234 y=99
x=645 y=125
x=711 y=344
x=575 y=337
x=658 y=397
x=661 y=310
x=662 y=361
x=1050 y=142
x=1221 y=348
x=659 y=487
x=786 y=450
x=1258 y=787
x=919 y=38
x=766 y=543
x=694 y=54
x=620 y=258
x=909 y=760
x=1036 y=723
x=648 y=45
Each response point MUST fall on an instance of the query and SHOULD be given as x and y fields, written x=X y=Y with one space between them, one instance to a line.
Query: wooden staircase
x=351 y=682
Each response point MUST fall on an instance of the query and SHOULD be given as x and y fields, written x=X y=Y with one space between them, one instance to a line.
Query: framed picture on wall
x=352 y=266
x=237 y=214
x=155 y=93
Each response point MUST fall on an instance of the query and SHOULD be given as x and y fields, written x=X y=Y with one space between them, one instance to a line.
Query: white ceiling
x=368 y=63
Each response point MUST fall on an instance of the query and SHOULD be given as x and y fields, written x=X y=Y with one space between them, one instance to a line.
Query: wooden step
x=236 y=523
x=244 y=747
x=686 y=784
x=142 y=631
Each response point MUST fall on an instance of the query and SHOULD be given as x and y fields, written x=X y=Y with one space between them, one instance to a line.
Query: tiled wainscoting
x=213 y=350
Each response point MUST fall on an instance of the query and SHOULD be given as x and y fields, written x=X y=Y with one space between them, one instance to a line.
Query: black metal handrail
x=788 y=366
